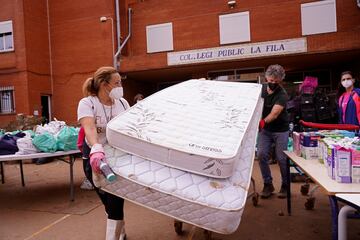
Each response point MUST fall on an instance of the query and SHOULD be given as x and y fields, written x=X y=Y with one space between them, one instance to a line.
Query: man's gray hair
x=275 y=71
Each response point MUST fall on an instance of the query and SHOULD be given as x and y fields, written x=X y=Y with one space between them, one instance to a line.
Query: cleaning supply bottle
x=107 y=172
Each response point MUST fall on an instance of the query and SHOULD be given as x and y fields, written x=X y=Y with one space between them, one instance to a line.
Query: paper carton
x=343 y=165
x=310 y=153
x=355 y=166
x=322 y=151
x=309 y=140
x=296 y=143
x=330 y=161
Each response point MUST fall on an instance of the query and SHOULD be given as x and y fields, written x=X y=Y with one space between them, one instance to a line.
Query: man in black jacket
x=274 y=128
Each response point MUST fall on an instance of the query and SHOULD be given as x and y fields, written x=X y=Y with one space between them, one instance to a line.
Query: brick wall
x=37 y=53
x=80 y=43
x=195 y=26
x=13 y=64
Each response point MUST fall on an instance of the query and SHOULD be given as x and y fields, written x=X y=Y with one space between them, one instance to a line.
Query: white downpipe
x=118 y=33
x=50 y=60
x=342 y=218
x=117 y=54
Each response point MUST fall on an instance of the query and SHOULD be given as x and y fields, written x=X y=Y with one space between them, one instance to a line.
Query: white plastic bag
x=52 y=127
x=25 y=146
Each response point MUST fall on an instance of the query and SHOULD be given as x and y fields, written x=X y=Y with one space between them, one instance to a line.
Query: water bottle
x=291 y=127
x=290 y=146
x=107 y=172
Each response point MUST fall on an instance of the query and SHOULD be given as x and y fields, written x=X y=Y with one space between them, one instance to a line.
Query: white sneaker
x=86 y=185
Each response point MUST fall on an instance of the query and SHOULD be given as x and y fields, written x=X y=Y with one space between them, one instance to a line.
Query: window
x=7 y=100
x=159 y=38
x=238 y=75
x=234 y=28
x=6 y=36
x=318 y=17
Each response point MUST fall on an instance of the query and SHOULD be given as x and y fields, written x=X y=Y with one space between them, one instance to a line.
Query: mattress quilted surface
x=211 y=203
x=226 y=194
x=207 y=120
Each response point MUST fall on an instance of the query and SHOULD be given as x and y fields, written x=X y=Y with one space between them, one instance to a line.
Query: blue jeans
x=265 y=141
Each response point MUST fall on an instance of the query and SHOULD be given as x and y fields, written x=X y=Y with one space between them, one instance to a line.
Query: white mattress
x=198 y=126
x=210 y=203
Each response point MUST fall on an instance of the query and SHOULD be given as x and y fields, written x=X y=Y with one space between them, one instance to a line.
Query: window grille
x=7 y=100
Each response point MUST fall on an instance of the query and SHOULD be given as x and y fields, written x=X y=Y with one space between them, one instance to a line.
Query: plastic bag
x=30 y=133
x=26 y=146
x=52 y=127
x=45 y=142
x=67 y=139
x=15 y=132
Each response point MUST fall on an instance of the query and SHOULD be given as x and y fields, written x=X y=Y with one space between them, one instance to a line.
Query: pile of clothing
x=51 y=137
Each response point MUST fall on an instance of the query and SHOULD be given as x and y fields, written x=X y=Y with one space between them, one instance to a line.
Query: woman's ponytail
x=92 y=85
x=88 y=87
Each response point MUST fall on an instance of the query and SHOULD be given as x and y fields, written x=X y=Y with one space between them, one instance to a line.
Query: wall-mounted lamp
x=104 y=19
x=231 y=4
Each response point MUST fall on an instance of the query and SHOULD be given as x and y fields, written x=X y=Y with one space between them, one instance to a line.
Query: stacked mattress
x=197 y=126
x=188 y=151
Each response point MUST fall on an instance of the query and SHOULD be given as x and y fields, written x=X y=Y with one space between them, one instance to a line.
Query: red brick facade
x=195 y=26
x=80 y=43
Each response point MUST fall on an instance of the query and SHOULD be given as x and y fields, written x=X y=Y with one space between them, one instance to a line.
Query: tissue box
x=343 y=165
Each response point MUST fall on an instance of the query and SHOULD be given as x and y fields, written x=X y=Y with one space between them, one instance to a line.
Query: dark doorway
x=45 y=108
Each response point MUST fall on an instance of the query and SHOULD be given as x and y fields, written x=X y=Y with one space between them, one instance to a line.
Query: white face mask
x=347 y=83
x=116 y=93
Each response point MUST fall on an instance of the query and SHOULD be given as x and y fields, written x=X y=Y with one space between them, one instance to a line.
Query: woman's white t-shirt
x=92 y=107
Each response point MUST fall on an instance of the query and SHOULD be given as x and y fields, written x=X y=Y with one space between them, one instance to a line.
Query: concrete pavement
x=42 y=210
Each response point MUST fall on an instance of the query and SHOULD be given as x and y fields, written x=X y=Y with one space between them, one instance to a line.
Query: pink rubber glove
x=96 y=156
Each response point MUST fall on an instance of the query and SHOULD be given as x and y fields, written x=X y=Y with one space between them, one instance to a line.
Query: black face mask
x=273 y=86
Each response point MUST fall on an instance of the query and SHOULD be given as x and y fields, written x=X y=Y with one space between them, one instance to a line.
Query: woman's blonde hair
x=92 y=85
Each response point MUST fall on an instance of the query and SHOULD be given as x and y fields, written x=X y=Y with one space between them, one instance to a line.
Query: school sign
x=233 y=52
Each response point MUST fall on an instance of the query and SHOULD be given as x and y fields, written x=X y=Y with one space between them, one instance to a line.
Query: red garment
x=325 y=126
x=81 y=139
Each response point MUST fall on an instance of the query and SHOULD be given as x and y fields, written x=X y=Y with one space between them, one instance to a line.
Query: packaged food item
x=355 y=165
x=343 y=165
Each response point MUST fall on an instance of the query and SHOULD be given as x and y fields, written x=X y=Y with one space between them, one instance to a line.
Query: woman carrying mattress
x=103 y=100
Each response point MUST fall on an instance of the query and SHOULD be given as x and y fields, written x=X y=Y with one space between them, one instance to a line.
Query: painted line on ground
x=47 y=227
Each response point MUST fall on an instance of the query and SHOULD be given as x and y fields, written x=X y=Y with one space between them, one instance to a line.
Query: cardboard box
x=309 y=140
x=355 y=166
x=322 y=151
x=310 y=153
x=343 y=165
x=330 y=161
x=296 y=143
